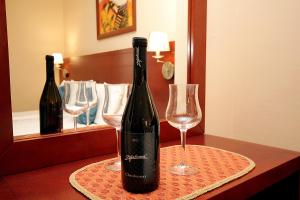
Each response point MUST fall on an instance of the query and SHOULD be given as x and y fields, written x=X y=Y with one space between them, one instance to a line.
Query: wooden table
x=276 y=175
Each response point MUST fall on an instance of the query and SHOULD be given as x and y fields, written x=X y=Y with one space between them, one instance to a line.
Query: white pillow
x=62 y=83
x=101 y=95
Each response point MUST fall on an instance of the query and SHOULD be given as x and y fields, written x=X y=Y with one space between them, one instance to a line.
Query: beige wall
x=181 y=41
x=35 y=29
x=81 y=33
x=253 y=71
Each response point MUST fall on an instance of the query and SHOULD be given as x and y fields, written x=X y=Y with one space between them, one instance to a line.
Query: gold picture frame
x=115 y=17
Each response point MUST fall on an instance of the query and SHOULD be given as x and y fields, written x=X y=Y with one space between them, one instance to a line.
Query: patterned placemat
x=216 y=167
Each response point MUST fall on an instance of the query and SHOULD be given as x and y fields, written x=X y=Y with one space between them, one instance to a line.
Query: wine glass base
x=183 y=170
x=115 y=166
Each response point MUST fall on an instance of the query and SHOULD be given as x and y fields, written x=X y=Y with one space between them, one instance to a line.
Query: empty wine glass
x=92 y=98
x=116 y=96
x=75 y=101
x=183 y=112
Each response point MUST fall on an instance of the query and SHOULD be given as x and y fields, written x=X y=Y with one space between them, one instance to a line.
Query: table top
x=272 y=165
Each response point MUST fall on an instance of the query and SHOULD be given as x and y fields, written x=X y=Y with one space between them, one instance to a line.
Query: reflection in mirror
x=36 y=28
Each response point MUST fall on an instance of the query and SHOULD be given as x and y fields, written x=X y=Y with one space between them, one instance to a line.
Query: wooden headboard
x=117 y=67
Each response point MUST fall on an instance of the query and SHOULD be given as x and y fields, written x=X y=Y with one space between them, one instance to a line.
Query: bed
x=28 y=122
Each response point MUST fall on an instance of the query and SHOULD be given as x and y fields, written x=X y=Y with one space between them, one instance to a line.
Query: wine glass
x=183 y=112
x=92 y=98
x=116 y=96
x=75 y=101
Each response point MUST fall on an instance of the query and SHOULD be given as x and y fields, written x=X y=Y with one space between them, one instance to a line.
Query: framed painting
x=115 y=17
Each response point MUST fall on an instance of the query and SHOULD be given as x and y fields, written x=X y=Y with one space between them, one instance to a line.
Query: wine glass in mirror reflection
x=116 y=96
x=75 y=99
x=183 y=112
x=92 y=98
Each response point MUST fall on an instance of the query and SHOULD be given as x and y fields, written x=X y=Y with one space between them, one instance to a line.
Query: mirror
x=68 y=27
x=14 y=151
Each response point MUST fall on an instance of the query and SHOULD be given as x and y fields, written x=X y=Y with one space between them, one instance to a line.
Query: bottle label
x=141 y=156
x=136 y=157
x=137 y=57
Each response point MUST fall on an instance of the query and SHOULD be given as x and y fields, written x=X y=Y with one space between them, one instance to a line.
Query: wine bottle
x=140 y=130
x=51 y=117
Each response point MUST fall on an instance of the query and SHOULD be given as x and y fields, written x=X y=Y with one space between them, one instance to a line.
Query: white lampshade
x=158 y=41
x=58 y=58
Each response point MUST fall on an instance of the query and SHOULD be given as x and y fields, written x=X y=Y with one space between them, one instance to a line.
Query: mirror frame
x=6 y=134
x=36 y=152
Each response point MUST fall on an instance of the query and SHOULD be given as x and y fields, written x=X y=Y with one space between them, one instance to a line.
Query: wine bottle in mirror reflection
x=140 y=130
x=51 y=117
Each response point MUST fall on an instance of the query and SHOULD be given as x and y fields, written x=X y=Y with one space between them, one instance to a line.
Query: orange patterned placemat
x=216 y=167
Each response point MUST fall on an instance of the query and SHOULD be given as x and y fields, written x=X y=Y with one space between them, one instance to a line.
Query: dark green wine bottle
x=140 y=130
x=51 y=116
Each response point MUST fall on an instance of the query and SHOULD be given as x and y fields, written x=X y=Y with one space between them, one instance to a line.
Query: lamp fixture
x=159 y=42
x=58 y=62
x=58 y=58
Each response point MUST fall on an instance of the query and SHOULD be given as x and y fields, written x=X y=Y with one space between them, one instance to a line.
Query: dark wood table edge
x=249 y=187
x=266 y=178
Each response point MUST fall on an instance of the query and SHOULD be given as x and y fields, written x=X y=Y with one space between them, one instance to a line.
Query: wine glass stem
x=88 y=117
x=183 y=143
x=118 y=142
x=75 y=123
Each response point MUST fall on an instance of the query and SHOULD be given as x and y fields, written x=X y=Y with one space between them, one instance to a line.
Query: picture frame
x=115 y=17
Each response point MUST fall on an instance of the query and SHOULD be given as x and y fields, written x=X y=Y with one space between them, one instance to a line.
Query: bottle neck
x=140 y=65
x=50 y=71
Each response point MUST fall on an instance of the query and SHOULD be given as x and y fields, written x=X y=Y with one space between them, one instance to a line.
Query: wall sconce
x=58 y=59
x=58 y=62
x=158 y=42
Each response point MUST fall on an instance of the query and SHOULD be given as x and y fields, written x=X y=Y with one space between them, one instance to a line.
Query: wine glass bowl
x=183 y=121
x=113 y=120
x=183 y=112
x=75 y=100
x=92 y=99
